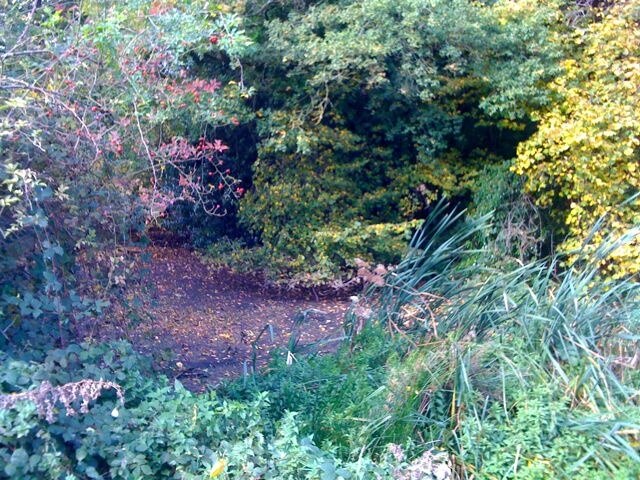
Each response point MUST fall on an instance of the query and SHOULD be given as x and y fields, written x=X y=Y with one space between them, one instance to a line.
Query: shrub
x=518 y=371
x=533 y=343
x=582 y=163
x=516 y=228
x=335 y=416
x=103 y=129
x=164 y=431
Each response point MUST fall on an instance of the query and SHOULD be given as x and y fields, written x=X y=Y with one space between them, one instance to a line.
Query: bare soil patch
x=204 y=322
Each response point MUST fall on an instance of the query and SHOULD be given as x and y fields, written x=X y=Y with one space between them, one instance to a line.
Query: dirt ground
x=204 y=323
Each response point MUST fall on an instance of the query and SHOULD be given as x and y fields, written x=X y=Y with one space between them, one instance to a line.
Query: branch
x=32 y=14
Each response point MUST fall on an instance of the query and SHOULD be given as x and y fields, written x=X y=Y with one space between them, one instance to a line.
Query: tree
x=584 y=161
x=105 y=125
x=370 y=110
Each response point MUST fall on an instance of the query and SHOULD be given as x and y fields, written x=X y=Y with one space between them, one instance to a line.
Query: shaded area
x=206 y=320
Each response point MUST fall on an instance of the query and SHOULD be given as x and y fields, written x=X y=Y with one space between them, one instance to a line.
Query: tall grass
x=526 y=371
x=484 y=333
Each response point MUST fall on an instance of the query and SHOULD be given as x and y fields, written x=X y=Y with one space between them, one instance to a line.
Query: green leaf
x=328 y=471
x=178 y=387
x=19 y=458
x=81 y=454
x=93 y=473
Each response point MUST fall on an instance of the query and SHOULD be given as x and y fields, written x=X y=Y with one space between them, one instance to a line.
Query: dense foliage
x=376 y=109
x=105 y=125
x=315 y=141
x=314 y=134
x=511 y=373
x=520 y=373
x=161 y=431
x=583 y=161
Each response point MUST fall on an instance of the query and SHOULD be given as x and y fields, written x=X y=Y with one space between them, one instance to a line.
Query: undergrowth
x=519 y=372
x=164 y=431
x=456 y=367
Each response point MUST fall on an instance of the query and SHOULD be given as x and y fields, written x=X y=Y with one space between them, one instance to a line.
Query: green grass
x=522 y=372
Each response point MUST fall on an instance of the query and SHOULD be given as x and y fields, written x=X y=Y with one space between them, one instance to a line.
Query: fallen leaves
x=208 y=319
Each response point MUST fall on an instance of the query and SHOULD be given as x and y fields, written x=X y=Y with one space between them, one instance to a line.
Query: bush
x=533 y=364
x=328 y=254
x=164 y=431
x=94 y=151
x=582 y=163
x=542 y=437
x=524 y=372
x=335 y=416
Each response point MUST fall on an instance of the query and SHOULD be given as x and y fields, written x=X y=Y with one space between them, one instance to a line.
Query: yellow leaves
x=585 y=148
x=218 y=468
x=513 y=8
x=16 y=102
x=512 y=125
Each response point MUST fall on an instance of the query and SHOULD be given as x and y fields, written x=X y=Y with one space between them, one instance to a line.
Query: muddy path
x=203 y=323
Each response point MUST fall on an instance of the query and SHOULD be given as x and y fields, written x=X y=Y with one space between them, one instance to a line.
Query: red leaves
x=179 y=149
x=194 y=179
x=209 y=86
x=155 y=201
x=159 y=7
x=218 y=146
x=115 y=143
x=193 y=87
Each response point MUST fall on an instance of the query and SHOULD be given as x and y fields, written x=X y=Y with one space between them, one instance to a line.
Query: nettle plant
x=111 y=114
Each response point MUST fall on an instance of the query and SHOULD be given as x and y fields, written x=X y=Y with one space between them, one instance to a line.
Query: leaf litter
x=203 y=321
